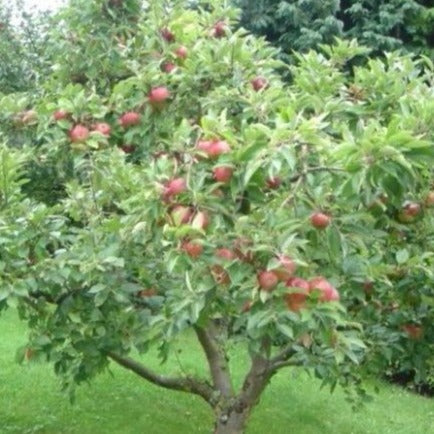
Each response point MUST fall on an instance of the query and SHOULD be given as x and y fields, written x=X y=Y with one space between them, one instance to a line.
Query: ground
x=31 y=402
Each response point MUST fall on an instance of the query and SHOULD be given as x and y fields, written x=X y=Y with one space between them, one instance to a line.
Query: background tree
x=202 y=196
x=305 y=24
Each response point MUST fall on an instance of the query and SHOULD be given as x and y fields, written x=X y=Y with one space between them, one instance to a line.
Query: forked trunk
x=232 y=422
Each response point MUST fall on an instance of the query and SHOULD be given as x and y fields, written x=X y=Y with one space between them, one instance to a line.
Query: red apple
x=286 y=268
x=167 y=35
x=225 y=253
x=429 y=200
x=200 y=220
x=79 y=133
x=258 y=83
x=59 y=115
x=327 y=290
x=129 y=119
x=412 y=209
x=181 y=215
x=267 y=280
x=213 y=148
x=204 y=145
x=168 y=67
x=297 y=300
x=223 y=174
x=103 y=128
x=181 y=52
x=193 y=249
x=415 y=332
x=128 y=149
x=219 y=29
x=320 y=220
x=146 y=293
x=158 y=95
x=274 y=182
x=174 y=187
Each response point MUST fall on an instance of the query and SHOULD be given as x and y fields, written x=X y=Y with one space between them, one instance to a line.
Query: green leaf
x=402 y=256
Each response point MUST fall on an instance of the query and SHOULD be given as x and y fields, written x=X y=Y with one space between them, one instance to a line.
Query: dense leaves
x=191 y=196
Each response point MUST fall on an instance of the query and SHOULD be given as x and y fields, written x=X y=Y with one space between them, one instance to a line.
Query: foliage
x=295 y=25
x=22 y=41
x=129 y=258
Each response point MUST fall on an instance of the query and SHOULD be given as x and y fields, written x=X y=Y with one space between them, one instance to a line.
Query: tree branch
x=217 y=361
x=282 y=359
x=182 y=384
x=297 y=176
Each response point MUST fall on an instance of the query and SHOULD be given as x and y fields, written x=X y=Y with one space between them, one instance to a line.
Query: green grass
x=31 y=402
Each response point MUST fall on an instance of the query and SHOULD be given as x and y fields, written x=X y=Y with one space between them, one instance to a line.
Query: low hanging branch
x=182 y=384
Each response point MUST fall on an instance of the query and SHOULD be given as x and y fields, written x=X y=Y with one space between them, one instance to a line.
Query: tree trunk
x=232 y=422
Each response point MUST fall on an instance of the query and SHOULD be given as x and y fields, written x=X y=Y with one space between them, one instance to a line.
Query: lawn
x=31 y=402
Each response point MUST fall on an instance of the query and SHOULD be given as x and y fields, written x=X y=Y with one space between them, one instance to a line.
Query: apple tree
x=199 y=194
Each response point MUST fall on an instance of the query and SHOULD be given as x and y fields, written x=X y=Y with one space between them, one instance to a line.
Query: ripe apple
x=128 y=149
x=412 y=209
x=320 y=220
x=158 y=95
x=274 y=182
x=79 y=133
x=286 y=268
x=181 y=52
x=129 y=119
x=219 y=29
x=415 y=332
x=429 y=200
x=213 y=148
x=327 y=290
x=167 y=35
x=204 y=145
x=181 y=215
x=168 y=67
x=200 y=220
x=297 y=300
x=59 y=115
x=220 y=275
x=225 y=253
x=103 y=128
x=258 y=83
x=218 y=147
x=368 y=286
x=146 y=293
x=174 y=187
x=409 y=212
x=223 y=174
x=267 y=280
x=193 y=249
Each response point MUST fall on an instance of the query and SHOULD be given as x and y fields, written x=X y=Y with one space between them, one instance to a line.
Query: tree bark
x=232 y=423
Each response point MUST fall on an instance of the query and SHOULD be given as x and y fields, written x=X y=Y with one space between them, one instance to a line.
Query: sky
x=44 y=4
